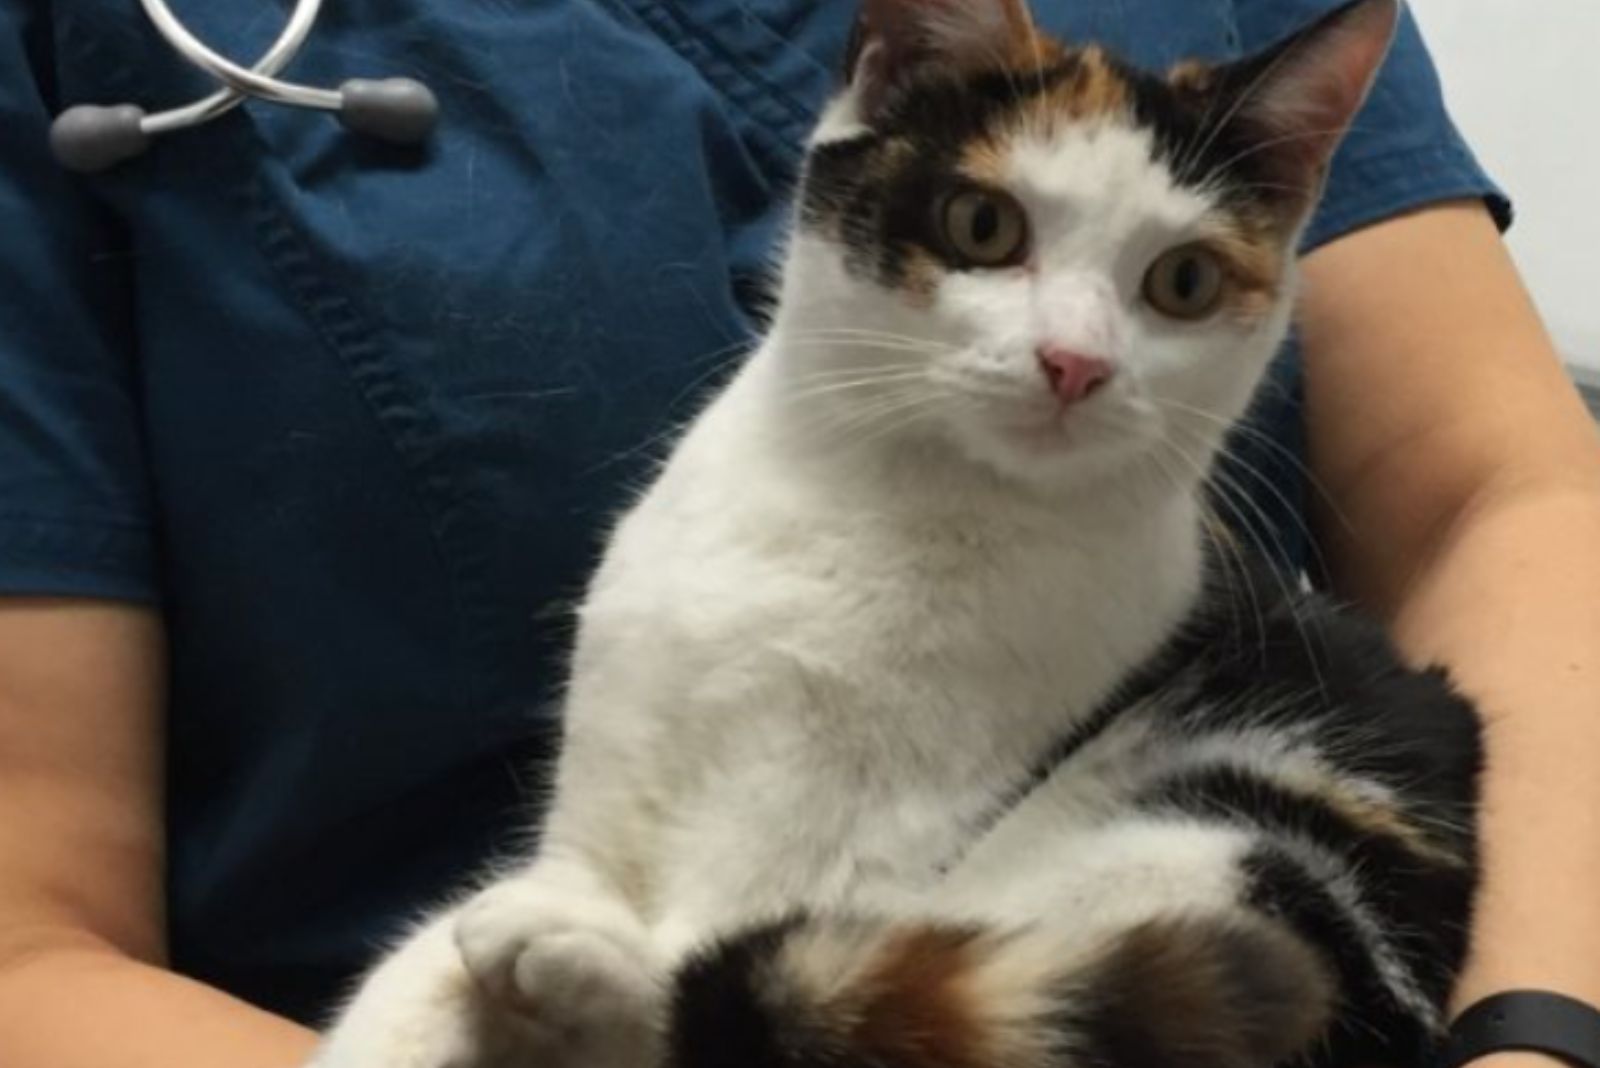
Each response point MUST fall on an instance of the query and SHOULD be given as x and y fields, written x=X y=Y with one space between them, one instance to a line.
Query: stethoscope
x=94 y=137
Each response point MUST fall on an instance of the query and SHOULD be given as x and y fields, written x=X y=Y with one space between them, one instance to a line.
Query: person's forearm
x=72 y=1007
x=1509 y=601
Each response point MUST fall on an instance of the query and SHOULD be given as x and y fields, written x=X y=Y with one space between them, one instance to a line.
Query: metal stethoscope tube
x=93 y=137
x=284 y=49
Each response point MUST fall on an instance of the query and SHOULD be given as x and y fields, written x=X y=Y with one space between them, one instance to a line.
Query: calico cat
x=914 y=719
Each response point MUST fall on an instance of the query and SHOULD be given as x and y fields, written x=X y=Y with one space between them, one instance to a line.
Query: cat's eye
x=984 y=228
x=1187 y=283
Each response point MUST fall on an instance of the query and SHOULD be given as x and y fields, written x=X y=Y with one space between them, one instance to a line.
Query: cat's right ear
x=897 y=41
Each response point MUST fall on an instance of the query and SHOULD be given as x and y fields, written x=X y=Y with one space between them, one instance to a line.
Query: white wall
x=1522 y=83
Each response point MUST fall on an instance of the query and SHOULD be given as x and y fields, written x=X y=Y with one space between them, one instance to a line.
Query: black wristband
x=1525 y=1020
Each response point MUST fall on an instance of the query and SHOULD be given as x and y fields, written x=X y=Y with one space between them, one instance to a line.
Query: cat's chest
x=906 y=680
x=958 y=633
x=972 y=637
x=880 y=738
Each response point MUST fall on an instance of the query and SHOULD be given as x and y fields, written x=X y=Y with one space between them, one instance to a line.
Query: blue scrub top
x=355 y=417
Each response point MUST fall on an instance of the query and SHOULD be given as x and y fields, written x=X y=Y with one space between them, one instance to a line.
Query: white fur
x=849 y=613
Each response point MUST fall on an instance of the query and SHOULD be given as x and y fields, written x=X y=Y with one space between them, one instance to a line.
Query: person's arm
x=1462 y=479
x=81 y=931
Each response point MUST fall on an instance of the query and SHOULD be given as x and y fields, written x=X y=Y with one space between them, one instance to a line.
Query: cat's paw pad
x=577 y=968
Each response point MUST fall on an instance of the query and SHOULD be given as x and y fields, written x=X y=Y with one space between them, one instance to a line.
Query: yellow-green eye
x=1186 y=283
x=984 y=228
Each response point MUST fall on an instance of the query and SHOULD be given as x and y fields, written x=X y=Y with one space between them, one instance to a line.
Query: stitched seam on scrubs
x=793 y=52
x=1434 y=174
x=85 y=523
x=784 y=120
x=799 y=116
x=342 y=327
x=49 y=557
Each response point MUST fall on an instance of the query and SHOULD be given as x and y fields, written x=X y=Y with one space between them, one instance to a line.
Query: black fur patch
x=1206 y=147
x=878 y=192
x=1234 y=795
x=1371 y=1028
x=1300 y=662
x=1421 y=904
x=1256 y=659
x=720 y=1015
x=1211 y=142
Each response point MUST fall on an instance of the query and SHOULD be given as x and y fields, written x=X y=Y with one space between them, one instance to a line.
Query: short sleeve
x=1404 y=151
x=75 y=515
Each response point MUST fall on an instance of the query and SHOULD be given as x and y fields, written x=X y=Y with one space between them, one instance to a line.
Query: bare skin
x=1463 y=504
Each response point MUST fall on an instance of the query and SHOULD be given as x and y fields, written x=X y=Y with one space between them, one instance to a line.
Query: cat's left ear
x=897 y=41
x=1297 y=99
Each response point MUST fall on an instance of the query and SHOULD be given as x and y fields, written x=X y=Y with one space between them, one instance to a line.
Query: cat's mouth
x=1045 y=425
x=1024 y=425
x=1033 y=434
x=1058 y=430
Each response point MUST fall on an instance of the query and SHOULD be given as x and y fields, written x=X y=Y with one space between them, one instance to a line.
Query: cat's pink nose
x=1072 y=376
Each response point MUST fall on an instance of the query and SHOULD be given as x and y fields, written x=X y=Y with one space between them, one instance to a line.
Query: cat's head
x=1052 y=261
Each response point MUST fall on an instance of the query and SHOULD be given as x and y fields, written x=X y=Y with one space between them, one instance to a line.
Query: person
x=306 y=443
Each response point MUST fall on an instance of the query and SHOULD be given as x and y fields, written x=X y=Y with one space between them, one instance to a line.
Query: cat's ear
x=1204 y=993
x=1298 y=98
x=897 y=40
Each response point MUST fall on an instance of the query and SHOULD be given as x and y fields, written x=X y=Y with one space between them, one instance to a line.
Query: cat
x=915 y=720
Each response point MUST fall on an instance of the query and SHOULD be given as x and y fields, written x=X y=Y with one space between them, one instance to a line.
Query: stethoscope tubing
x=240 y=81
x=279 y=56
x=90 y=138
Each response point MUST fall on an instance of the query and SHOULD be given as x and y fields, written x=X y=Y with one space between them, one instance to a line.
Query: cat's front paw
x=421 y=1009
x=580 y=970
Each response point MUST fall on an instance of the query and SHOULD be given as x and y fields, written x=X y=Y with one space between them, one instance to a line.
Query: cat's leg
x=545 y=966
x=551 y=963
x=1348 y=831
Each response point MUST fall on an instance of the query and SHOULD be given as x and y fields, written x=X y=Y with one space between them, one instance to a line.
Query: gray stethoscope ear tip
x=399 y=110
x=90 y=138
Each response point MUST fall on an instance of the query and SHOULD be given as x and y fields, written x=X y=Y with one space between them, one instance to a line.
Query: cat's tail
x=838 y=992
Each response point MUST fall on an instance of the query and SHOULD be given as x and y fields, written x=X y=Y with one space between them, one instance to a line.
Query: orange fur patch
x=1381 y=820
x=984 y=161
x=1093 y=90
x=916 y=1004
x=1255 y=265
x=921 y=274
x=1251 y=246
x=1191 y=75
